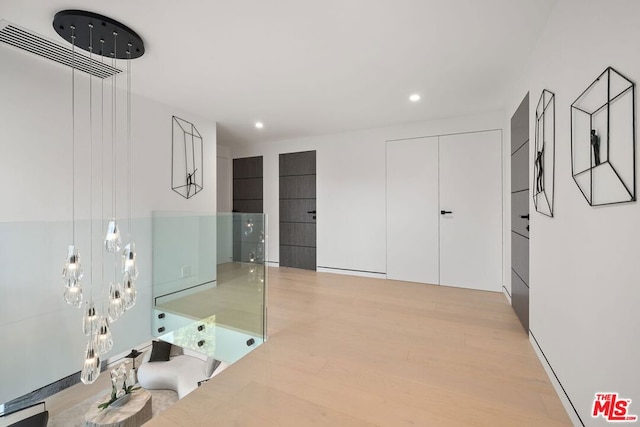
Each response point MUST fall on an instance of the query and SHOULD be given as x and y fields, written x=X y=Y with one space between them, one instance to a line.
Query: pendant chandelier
x=111 y=41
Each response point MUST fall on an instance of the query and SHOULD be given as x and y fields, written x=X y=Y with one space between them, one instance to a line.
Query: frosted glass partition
x=40 y=335
x=209 y=282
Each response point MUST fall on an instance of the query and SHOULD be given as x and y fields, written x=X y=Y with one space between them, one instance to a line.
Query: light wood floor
x=350 y=351
x=236 y=302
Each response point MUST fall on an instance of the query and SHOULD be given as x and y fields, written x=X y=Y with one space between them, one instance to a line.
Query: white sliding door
x=412 y=210
x=471 y=188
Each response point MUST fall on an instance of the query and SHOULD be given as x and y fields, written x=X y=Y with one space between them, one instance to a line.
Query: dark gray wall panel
x=520 y=125
x=247 y=206
x=520 y=256
x=245 y=252
x=247 y=197
x=519 y=207
x=520 y=299
x=297 y=210
x=302 y=163
x=247 y=189
x=241 y=231
x=248 y=167
x=298 y=187
x=520 y=169
x=237 y=252
x=248 y=185
x=298 y=257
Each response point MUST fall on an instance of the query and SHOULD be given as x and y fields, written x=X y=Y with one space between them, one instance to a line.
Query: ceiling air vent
x=36 y=44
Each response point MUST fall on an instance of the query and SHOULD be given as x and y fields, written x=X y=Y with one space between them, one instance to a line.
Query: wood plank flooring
x=352 y=351
x=236 y=302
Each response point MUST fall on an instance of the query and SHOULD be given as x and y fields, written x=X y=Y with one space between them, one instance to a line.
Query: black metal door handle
x=311 y=212
x=524 y=216
x=445 y=212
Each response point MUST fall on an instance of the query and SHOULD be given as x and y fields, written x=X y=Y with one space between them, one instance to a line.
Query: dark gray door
x=298 y=210
x=520 y=212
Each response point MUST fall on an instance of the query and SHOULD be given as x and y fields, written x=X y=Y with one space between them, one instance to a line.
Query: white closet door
x=471 y=187
x=412 y=210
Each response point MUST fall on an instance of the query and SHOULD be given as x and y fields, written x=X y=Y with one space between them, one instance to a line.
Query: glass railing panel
x=209 y=284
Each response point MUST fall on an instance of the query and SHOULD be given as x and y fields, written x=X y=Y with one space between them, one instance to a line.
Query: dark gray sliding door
x=520 y=212
x=298 y=210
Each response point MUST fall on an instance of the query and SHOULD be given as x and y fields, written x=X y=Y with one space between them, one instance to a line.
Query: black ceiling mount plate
x=103 y=29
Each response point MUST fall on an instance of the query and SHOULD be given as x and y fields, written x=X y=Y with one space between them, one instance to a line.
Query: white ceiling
x=316 y=67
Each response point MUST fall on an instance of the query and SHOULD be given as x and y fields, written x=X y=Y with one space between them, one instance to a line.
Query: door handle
x=311 y=212
x=524 y=216
x=445 y=212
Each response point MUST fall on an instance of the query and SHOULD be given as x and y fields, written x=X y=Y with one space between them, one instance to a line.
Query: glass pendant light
x=116 y=304
x=104 y=340
x=129 y=292
x=91 y=368
x=113 y=241
x=73 y=295
x=129 y=265
x=90 y=319
x=72 y=272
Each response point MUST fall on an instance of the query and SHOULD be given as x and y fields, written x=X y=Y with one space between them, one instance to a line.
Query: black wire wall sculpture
x=186 y=158
x=544 y=166
x=603 y=140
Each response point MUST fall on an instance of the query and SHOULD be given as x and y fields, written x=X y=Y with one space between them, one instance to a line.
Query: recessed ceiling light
x=259 y=125
x=414 y=98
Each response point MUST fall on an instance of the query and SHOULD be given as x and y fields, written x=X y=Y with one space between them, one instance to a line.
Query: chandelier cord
x=114 y=164
x=73 y=134
x=91 y=162
x=129 y=135
x=115 y=127
x=102 y=221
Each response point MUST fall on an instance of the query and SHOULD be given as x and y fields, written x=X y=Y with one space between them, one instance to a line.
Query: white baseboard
x=347 y=272
x=506 y=294
x=568 y=406
x=273 y=264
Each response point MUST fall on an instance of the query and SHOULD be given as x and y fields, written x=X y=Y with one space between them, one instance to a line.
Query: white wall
x=225 y=179
x=41 y=335
x=224 y=241
x=350 y=188
x=585 y=286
